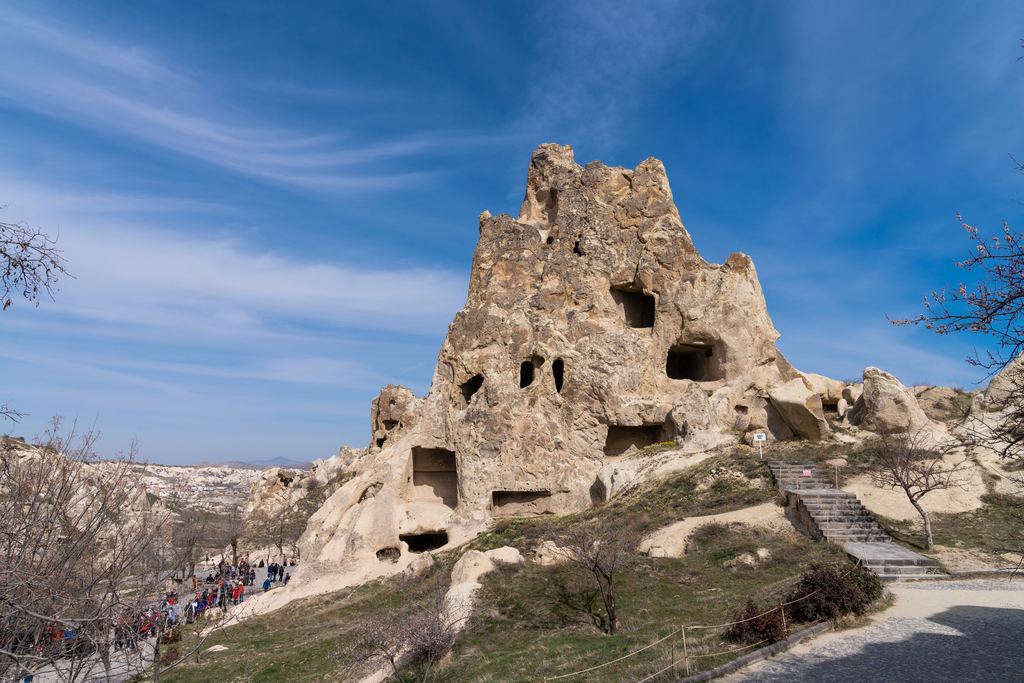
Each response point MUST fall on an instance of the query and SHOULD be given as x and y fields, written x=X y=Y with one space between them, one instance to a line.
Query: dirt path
x=936 y=632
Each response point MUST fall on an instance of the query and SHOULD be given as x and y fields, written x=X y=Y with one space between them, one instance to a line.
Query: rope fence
x=681 y=631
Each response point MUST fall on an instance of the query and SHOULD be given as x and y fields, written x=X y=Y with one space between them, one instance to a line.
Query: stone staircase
x=795 y=476
x=838 y=516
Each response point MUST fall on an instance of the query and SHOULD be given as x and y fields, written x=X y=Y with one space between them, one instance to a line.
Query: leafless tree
x=599 y=553
x=992 y=306
x=30 y=263
x=906 y=461
x=192 y=532
x=74 y=540
x=421 y=636
x=283 y=526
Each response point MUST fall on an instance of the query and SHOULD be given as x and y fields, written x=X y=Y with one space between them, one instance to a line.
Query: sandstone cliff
x=592 y=328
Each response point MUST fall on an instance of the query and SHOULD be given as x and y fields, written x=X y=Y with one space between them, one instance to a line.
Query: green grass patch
x=535 y=622
x=994 y=528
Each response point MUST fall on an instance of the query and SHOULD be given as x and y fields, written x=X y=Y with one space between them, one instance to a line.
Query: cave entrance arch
x=697 y=362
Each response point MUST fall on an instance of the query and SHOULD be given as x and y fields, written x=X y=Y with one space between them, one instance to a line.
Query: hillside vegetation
x=533 y=621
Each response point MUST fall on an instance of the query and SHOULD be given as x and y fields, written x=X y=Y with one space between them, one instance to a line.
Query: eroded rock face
x=801 y=408
x=393 y=413
x=592 y=328
x=886 y=406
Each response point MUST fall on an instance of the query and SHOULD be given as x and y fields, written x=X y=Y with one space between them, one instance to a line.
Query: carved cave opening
x=636 y=308
x=526 y=371
x=620 y=439
x=389 y=554
x=434 y=476
x=419 y=543
x=697 y=363
x=550 y=240
x=520 y=503
x=576 y=249
x=380 y=441
x=830 y=406
x=471 y=386
x=548 y=199
x=390 y=424
x=558 y=370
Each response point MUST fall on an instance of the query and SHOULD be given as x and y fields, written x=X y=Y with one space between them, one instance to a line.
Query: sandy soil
x=672 y=538
x=305 y=586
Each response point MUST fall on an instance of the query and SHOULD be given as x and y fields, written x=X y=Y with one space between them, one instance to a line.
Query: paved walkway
x=937 y=632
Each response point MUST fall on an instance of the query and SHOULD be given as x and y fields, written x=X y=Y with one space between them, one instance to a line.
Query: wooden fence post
x=686 y=655
x=673 y=654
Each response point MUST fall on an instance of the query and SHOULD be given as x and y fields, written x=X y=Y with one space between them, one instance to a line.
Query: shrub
x=755 y=624
x=867 y=582
x=170 y=655
x=827 y=592
x=709 y=533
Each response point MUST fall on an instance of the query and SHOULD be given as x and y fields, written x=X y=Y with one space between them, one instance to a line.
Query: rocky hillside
x=592 y=330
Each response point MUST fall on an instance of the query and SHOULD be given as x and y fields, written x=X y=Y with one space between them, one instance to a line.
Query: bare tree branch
x=600 y=554
x=908 y=461
x=30 y=263
x=75 y=544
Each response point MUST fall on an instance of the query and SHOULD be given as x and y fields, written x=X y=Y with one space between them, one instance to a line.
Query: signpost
x=760 y=439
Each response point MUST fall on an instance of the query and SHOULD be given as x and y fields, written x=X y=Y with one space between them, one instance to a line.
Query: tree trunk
x=103 y=649
x=609 y=605
x=929 y=545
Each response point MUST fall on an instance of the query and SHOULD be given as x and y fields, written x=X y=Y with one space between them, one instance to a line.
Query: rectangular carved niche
x=636 y=308
x=695 y=362
x=520 y=503
x=434 y=477
x=620 y=439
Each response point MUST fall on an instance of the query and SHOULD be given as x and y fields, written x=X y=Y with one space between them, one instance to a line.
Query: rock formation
x=592 y=328
x=886 y=406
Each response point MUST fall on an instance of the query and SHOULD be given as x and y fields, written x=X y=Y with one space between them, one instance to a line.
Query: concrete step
x=854 y=531
x=901 y=571
x=858 y=538
x=840 y=513
x=837 y=504
x=822 y=516
x=889 y=561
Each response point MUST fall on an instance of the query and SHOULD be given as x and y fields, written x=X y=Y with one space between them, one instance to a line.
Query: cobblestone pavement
x=937 y=632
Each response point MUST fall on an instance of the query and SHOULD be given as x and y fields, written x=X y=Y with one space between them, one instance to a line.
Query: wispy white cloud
x=134 y=278
x=126 y=90
x=596 y=61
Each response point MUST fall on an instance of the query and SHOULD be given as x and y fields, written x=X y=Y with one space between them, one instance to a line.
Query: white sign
x=760 y=437
x=807 y=473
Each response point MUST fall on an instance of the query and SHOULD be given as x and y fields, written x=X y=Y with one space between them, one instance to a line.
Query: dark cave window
x=690 y=362
x=471 y=386
x=558 y=370
x=526 y=371
x=419 y=543
x=637 y=308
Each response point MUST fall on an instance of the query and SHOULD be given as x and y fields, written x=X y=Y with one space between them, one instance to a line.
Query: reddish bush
x=827 y=592
x=170 y=655
x=755 y=624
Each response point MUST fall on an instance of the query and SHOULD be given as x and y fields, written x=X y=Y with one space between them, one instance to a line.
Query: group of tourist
x=133 y=626
x=226 y=587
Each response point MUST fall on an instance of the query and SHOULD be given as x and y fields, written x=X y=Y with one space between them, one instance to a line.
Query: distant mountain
x=279 y=461
x=233 y=464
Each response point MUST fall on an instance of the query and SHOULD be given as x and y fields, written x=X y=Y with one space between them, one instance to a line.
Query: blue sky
x=270 y=210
